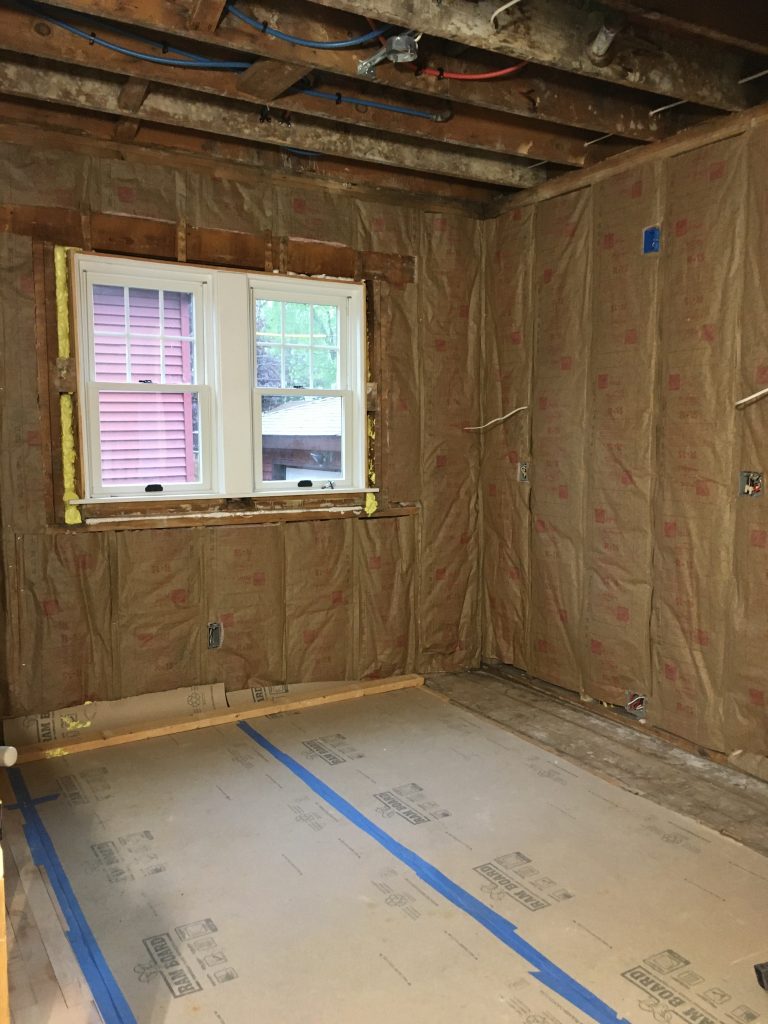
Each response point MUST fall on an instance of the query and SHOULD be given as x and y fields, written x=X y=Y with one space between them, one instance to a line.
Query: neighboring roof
x=312 y=417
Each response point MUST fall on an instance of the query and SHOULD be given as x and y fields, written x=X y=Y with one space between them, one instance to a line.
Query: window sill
x=175 y=498
x=150 y=513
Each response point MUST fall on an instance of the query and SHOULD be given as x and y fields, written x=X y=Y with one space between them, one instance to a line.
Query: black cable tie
x=338 y=99
x=440 y=74
x=264 y=26
x=94 y=38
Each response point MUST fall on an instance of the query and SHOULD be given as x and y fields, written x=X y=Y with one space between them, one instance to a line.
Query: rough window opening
x=199 y=382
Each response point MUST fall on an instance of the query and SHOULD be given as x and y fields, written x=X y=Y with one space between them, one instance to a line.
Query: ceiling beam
x=556 y=33
x=181 y=109
x=28 y=123
x=533 y=93
x=133 y=94
x=468 y=127
x=206 y=15
x=267 y=79
x=126 y=128
x=743 y=24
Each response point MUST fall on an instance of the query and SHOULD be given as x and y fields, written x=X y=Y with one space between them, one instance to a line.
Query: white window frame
x=349 y=298
x=225 y=357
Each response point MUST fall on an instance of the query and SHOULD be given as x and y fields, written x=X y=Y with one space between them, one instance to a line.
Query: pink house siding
x=146 y=437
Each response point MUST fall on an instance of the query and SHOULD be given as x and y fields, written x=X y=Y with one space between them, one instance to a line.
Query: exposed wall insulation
x=507 y=381
x=658 y=585
x=561 y=294
x=697 y=480
x=108 y=615
x=746 y=689
x=450 y=327
x=620 y=439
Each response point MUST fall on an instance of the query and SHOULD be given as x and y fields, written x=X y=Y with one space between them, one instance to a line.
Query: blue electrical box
x=652 y=239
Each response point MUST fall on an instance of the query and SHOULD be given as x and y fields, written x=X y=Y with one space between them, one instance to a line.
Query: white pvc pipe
x=8 y=756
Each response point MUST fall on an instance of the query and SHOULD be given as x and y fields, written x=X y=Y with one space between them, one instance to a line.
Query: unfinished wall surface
x=646 y=572
x=110 y=614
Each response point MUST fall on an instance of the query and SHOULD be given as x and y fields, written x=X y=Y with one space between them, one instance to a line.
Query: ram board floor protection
x=394 y=858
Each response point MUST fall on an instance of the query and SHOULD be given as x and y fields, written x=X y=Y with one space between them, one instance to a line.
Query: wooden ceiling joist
x=533 y=93
x=266 y=79
x=206 y=15
x=467 y=126
x=176 y=108
x=455 y=114
x=48 y=127
x=556 y=33
x=743 y=24
x=133 y=94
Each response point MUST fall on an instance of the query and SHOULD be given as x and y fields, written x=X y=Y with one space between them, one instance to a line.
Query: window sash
x=94 y=447
x=347 y=398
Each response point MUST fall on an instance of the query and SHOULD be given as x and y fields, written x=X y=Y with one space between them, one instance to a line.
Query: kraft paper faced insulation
x=628 y=564
x=506 y=370
x=656 y=585
x=696 y=495
x=561 y=292
x=111 y=615
x=746 y=689
x=620 y=438
x=450 y=311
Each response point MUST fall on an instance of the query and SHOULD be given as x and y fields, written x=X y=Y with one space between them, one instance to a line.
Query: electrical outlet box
x=652 y=239
x=522 y=473
x=750 y=483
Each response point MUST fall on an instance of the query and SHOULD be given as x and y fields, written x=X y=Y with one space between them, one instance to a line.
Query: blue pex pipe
x=106 y=992
x=341 y=44
x=337 y=97
x=548 y=973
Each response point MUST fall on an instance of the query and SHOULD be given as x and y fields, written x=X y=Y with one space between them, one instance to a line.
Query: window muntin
x=166 y=356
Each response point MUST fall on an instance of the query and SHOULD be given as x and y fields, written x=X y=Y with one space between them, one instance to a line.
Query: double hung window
x=198 y=382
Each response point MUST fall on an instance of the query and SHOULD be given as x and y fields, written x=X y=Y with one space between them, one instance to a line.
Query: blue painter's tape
x=105 y=990
x=35 y=801
x=548 y=973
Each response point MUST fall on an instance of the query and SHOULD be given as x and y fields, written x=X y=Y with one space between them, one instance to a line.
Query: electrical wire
x=456 y=76
x=337 y=97
x=341 y=44
x=751 y=398
x=499 y=419
x=192 y=61
x=500 y=10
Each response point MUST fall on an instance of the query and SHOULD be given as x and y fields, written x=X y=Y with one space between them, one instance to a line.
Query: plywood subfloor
x=716 y=795
x=398 y=858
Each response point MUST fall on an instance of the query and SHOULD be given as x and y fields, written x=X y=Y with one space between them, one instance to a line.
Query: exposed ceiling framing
x=591 y=79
